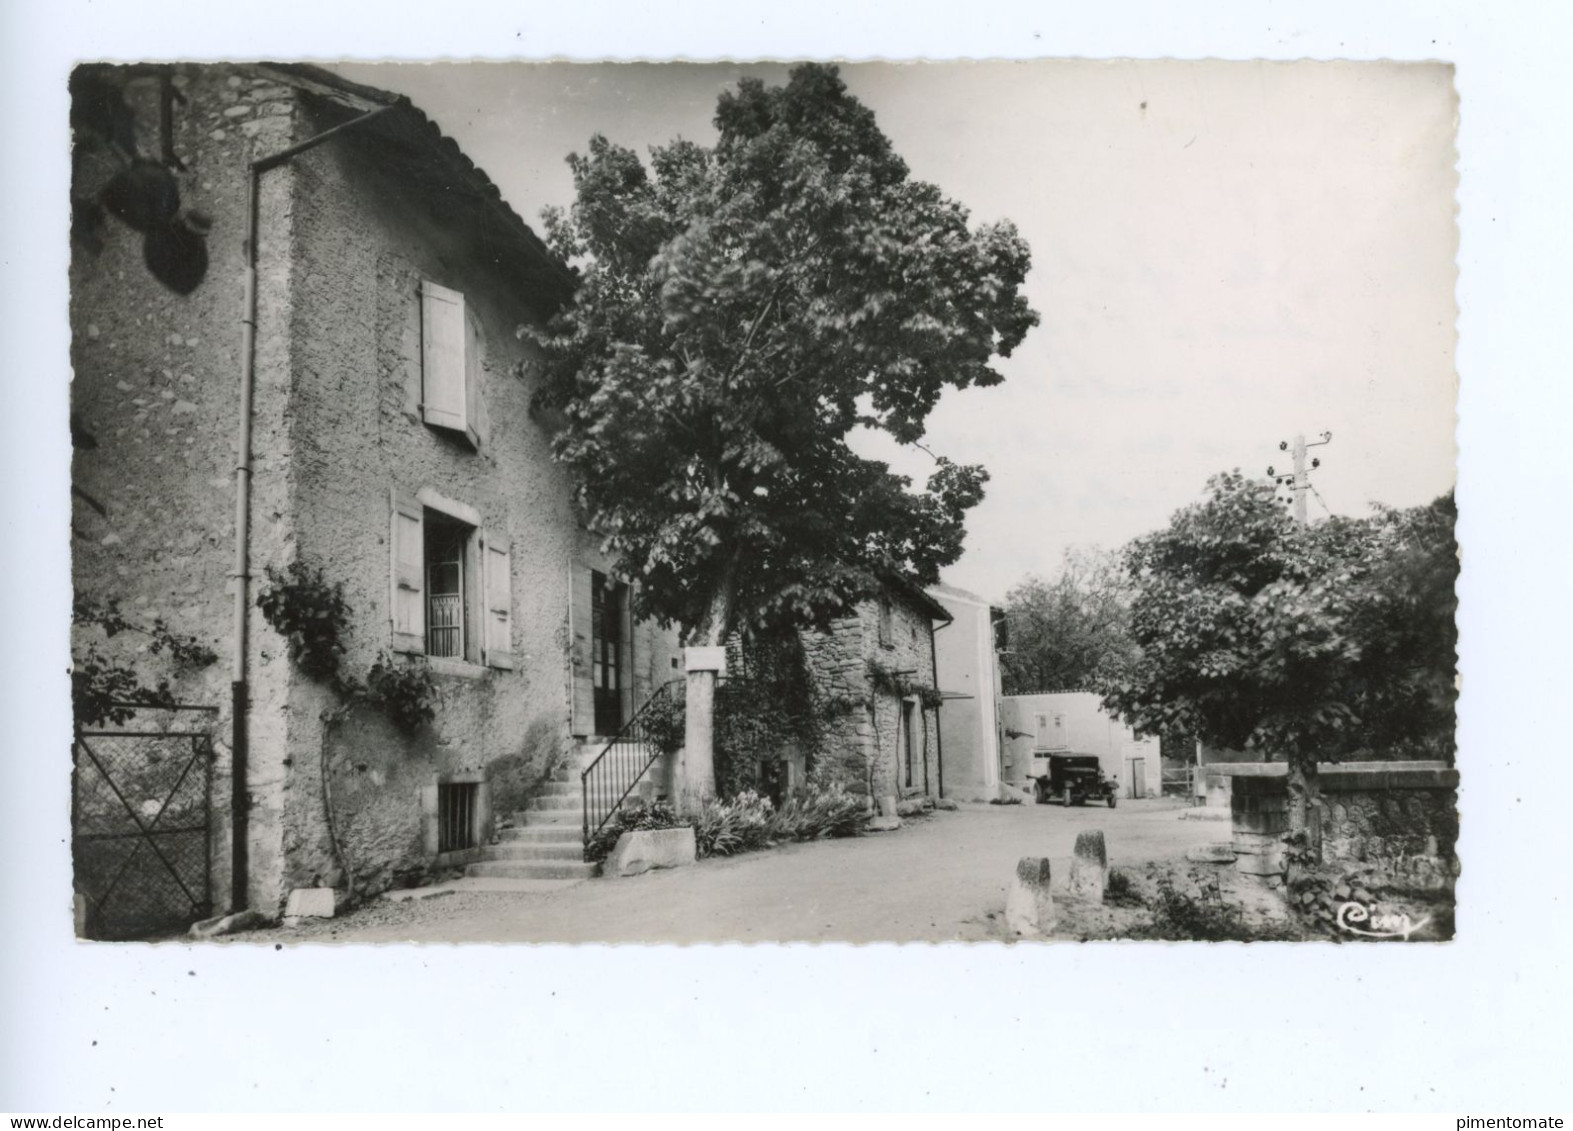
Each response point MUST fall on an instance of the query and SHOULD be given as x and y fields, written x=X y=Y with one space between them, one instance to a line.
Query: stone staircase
x=545 y=841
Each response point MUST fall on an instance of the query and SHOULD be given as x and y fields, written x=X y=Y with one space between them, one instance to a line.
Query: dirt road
x=938 y=878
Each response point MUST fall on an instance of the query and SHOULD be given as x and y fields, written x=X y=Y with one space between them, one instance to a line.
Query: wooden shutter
x=408 y=602
x=625 y=613
x=497 y=583
x=445 y=380
x=580 y=670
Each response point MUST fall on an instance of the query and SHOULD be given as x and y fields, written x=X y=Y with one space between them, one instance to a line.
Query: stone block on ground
x=1090 y=866
x=645 y=849
x=1222 y=853
x=247 y=920
x=1029 y=908
x=883 y=824
x=310 y=903
x=945 y=803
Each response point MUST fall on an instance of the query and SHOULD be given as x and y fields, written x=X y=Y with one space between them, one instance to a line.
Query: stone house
x=967 y=658
x=1074 y=722
x=377 y=402
x=880 y=660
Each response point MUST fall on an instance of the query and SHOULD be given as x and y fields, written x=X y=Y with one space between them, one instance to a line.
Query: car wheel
x=1040 y=793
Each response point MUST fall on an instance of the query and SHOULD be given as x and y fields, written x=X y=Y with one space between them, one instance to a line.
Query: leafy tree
x=742 y=308
x=1304 y=642
x=1067 y=632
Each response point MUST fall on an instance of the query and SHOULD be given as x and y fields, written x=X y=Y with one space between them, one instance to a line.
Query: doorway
x=608 y=608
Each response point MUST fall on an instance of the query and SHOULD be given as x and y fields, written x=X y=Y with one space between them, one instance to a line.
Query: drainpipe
x=939 y=743
x=240 y=573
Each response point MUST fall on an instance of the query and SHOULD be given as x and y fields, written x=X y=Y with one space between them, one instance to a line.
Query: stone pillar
x=1260 y=814
x=1090 y=866
x=696 y=768
x=1029 y=908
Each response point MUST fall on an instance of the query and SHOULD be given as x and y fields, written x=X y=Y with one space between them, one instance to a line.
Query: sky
x=1224 y=255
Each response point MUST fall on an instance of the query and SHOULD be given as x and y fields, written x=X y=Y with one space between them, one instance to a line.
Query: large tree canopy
x=1304 y=642
x=1323 y=640
x=741 y=310
x=1069 y=632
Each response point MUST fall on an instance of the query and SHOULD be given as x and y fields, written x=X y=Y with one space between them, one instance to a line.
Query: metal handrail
x=607 y=781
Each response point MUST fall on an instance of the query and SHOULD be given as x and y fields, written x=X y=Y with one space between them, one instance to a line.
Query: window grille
x=457 y=805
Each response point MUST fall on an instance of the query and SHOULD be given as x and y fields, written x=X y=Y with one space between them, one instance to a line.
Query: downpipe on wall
x=240 y=800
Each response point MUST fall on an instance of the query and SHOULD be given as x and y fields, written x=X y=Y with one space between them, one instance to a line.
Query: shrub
x=631 y=818
x=822 y=810
x=1177 y=915
x=742 y=824
x=1121 y=891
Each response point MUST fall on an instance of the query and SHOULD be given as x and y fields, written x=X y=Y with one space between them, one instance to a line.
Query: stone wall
x=866 y=748
x=1400 y=820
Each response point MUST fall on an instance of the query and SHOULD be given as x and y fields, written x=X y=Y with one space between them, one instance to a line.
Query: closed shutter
x=580 y=669
x=498 y=585
x=408 y=601
x=445 y=363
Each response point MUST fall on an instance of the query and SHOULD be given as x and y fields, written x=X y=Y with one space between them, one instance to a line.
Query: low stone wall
x=1400 y=818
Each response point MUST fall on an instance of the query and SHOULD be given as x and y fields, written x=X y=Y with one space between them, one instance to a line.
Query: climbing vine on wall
x=104 y=688
x=313 y=617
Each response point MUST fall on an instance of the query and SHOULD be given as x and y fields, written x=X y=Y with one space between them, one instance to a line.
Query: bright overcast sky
x=1223 y=254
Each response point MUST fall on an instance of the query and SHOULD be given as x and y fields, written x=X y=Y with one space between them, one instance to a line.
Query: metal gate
x=142 y=822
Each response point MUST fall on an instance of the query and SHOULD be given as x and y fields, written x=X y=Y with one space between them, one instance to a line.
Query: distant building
x=967 y=664
x=1074 y=722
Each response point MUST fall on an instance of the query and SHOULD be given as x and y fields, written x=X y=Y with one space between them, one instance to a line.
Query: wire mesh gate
x=142 y=822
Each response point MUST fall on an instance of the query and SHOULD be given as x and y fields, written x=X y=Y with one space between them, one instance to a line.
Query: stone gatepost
x=1029 y=908
x=695 y=771
x=1259 y=810
x=1090 y=866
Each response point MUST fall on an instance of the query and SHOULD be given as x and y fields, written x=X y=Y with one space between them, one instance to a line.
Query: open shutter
x=409 y=567
x=580 y=668
x=625 y=662
x=498 y=585
x=445 y=380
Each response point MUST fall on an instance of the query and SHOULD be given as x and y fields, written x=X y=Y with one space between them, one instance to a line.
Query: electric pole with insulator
x=1299 y=481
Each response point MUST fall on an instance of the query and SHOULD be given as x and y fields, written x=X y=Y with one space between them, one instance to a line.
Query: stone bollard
x=1090 y=866
x=1029 y=908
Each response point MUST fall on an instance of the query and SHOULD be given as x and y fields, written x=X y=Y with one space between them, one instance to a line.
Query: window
x=450 y=388
x=452 y=586
x=458 y=813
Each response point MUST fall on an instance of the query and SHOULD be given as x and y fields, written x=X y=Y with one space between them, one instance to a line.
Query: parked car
x=1073 y=779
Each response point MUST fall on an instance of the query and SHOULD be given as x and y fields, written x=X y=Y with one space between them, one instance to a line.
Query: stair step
x=540 y=834
x=534 y=869
x=534 y=850
x=548 y=818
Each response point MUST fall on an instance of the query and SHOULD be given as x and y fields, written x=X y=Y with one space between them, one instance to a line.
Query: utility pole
x=1299 y=481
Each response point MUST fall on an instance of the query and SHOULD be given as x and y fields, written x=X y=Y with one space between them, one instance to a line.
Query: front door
x=1138 y=777
x=607 y=602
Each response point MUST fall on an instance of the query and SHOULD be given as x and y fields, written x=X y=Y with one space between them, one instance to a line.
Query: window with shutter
x=408 y=605
x=498 y=583
x=449 y=388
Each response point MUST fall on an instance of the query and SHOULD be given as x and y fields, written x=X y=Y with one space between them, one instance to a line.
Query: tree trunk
x=1304 y=839
x=696 y=771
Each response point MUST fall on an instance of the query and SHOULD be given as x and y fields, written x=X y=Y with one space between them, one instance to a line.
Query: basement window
x=458 y=810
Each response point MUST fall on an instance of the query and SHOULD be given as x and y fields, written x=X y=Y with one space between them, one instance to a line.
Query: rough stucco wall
x=361 y=247
x=155 y=384
x=963 y=728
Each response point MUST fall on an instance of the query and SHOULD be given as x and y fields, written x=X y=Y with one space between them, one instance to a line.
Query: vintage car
x=1072 y=779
